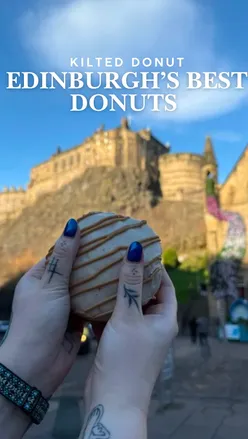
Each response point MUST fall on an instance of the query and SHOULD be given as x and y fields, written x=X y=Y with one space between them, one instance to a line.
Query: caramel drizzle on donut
x=111 y=298
x=99 y=316
x=146 y=242
x=93 y=276
x=101 y=240
x=111 y=282
x=104 y=222
x=86 y=215
x=108 y=220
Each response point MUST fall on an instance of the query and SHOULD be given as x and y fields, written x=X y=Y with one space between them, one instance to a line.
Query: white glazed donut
x=105 y=238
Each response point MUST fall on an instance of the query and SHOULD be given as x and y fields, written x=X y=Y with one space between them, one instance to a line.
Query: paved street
x=210 y=397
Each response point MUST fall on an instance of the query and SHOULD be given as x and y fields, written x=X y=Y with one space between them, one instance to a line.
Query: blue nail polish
x=135 y=252
x=71 y=228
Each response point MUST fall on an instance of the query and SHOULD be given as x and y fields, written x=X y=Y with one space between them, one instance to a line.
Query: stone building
x=12 y=202
x=181 y=177
x=119 y=147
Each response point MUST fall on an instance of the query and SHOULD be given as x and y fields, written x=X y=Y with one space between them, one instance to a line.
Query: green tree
x=195 y=263
x=170 y=258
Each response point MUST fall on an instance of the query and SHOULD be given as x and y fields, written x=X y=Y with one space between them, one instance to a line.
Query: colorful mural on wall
x=224 y=270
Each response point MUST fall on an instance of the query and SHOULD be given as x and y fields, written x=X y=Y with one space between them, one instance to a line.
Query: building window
x=63 y=164
x=55 y=167
x=78 y=158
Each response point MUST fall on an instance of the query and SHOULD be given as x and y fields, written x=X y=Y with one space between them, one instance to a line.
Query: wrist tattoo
x=132 y=297
x=52 y=266
x=94 y=429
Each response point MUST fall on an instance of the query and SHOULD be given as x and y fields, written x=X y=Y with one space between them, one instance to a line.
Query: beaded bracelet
x=27 y=398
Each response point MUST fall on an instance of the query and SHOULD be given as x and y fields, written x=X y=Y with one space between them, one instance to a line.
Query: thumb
x=59 y=264
x=129 y=295
x=37 y=271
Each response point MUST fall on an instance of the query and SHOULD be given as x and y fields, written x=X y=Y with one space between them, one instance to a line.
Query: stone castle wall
x=119 y=147
x=181 y=177
x=12 y=202
x=63 y=167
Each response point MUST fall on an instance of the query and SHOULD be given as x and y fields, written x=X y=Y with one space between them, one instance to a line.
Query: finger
x=59 y=265
x=129 y=294
x=37 y=270
x=165 y=302
x=153 y=302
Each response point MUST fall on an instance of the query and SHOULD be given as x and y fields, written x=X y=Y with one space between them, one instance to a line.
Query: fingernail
x=135 y=252
x=71 y=228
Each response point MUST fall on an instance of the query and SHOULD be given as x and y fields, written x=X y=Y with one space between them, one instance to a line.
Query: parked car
x=86 y=338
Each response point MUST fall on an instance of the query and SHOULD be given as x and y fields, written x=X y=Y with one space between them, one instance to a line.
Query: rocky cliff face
x=25 y=240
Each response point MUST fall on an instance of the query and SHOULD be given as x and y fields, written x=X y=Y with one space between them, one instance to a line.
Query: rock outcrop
x=26 y=239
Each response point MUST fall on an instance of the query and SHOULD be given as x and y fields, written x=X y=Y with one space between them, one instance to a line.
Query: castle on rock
x=181 y=177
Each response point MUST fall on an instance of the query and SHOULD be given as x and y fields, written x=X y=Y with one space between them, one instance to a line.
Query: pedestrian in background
x=193 y=329
x=202 y=329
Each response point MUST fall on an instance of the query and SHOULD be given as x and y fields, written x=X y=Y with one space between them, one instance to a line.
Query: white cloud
x=193 y=105
x=140 y=28
x=227 y=136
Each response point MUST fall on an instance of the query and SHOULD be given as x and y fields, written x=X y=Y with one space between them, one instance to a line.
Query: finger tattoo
x=132 y=296
x=52 y=268
x=135 y=271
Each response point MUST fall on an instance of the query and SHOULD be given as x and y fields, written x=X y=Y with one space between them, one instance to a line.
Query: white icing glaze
x=105 y=237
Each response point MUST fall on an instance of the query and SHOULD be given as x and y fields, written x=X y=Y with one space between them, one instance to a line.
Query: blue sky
x=210 y=38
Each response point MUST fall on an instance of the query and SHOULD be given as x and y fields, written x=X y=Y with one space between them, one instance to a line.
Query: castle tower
x=210 y=159
x=124 y=123
x=181 y=177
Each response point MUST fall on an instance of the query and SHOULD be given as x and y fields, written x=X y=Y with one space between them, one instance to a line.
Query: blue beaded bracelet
x=27 y=398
